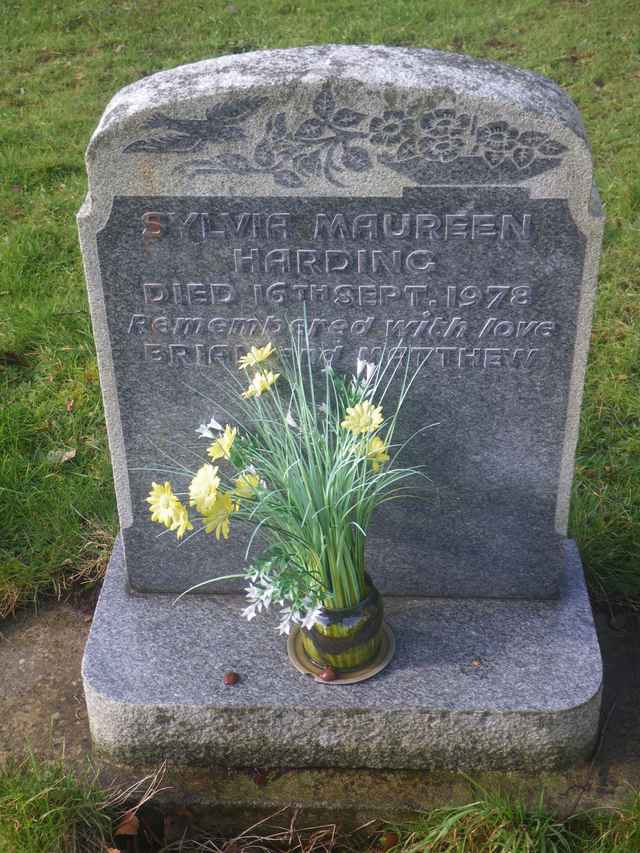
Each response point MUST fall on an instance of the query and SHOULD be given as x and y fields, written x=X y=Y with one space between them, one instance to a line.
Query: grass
x=62 y=61
x=502 y=824
x=45 y=808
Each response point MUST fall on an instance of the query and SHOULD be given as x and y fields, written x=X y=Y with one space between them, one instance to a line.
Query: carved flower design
x=497 y=136
x=501 y=141
x=332 y=139
x=391 y=127
x=444 y=123
x=444 y=149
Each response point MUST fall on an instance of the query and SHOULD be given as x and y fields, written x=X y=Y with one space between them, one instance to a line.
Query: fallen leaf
x=129 y=825
x=12 y=358
x=61 y=455
x=69 y=405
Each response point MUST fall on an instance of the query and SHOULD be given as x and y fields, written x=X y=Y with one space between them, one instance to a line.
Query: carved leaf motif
x=234 y=110
x=523 y=157
x=228 y=131
x=347 y=118
x=551 y=148
x=309 y=164
x=166 y=143
x=158 y=120
x=532 y=138
x=407 y=150
x=234 y=163
x=264 y=154
x=494 y=158
x=279 y=126
x=312 y=128
x=324 y=103
x=287 y=179
x=356 y=159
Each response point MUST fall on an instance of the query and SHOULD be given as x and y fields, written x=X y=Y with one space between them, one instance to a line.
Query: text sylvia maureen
x=198 y=226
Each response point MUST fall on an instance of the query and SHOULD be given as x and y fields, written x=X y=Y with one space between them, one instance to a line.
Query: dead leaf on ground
x=69 y=406
x=11 y=357
x=129 y=825
x=61 y=455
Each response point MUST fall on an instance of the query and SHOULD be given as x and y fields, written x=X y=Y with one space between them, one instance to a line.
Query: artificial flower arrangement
x=305 y=464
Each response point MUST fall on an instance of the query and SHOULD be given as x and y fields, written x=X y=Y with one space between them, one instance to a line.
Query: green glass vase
x=347 y=640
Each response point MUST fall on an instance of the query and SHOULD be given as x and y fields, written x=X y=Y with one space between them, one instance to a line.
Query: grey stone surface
x=491 y=288
x=474 y=685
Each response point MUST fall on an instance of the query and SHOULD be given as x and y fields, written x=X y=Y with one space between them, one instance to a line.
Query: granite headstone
x=398 y=197
x=405 y=198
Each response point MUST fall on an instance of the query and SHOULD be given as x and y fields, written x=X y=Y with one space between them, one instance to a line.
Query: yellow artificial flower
x=204 y=488
x=255 y=356
x=377 y=453
x=166 y=509
x=221 y=447
x=246 y=484
x=181 y=521
x=363 y=417
x=162 y=503
x=217 y=519
x=260 y=383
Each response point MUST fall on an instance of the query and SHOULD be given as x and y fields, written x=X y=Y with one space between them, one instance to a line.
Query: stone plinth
x=476 y=684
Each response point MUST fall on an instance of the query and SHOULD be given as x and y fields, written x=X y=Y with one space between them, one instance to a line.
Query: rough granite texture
x=474 y=685
x=491 y=289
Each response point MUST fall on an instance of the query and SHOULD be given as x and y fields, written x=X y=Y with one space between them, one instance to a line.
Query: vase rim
x=370 y=598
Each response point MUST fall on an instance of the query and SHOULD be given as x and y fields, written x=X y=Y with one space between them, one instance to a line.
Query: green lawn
x=62 y=61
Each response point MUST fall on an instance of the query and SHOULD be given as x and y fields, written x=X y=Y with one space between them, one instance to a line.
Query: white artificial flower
x=290 y=420
x=286 y=621
x=206 y=430
x=311 y=617
x=253 y=592
x=250 y=612
x=366 y=367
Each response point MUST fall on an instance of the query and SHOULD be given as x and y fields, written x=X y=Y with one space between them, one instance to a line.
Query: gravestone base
x=475 y=685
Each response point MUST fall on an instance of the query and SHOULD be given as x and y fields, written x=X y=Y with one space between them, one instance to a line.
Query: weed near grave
x=46 y=808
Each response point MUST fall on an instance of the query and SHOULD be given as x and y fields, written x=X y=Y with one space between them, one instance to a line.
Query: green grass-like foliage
x=61 y=63
x=497 y=824
x=502 y=823
x=46 y=809
x=308 y=460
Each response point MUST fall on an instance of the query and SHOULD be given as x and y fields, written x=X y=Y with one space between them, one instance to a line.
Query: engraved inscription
x=384 y=265
x=222 y=276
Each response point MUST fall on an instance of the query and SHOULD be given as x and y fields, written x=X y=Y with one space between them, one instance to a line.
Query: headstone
x=443 y=207
x=398 y=198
